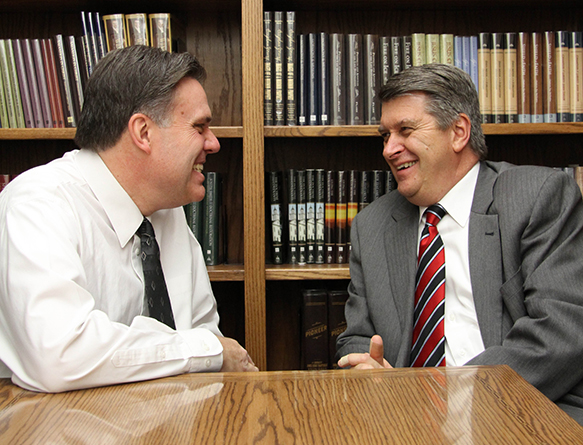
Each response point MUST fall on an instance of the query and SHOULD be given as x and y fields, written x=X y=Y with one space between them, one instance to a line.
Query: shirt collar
x=458 y=201
x=124 y=215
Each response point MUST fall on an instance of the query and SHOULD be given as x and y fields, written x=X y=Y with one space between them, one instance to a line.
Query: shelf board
x=307 y=272
x=226 y=272
x=69 y=133
x=372 y=130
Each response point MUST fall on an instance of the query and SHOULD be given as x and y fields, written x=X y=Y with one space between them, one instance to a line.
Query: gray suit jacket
x=525 y=245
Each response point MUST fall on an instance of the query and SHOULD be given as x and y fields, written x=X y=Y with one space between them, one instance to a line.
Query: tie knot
x=434 y=213
x=146 y=229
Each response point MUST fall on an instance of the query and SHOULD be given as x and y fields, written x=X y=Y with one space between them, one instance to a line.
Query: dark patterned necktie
x=428 y=329
x=155 y=286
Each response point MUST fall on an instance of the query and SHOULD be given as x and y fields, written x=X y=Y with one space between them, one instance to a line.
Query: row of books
x=206 y=220
x=311 y=212
x=42 y=80
x=322 y=321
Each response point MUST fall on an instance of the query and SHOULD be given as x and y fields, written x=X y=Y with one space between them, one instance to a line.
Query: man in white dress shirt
x=72 y=309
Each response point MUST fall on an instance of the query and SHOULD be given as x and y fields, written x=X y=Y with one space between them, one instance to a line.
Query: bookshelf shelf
x=307 y=272
x=226 y=272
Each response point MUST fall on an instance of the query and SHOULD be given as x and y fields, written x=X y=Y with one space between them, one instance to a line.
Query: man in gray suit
x=512 y=236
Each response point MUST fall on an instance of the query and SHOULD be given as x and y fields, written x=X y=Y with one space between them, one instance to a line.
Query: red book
x=53 y=83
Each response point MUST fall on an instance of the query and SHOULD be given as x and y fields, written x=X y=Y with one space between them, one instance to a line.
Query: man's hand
x=235 y=357
x=373 y=359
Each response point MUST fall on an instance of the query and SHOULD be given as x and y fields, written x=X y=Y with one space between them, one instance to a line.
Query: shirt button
x=208 y=362
x=205 y=346
x=463 y=352
x=162 y=355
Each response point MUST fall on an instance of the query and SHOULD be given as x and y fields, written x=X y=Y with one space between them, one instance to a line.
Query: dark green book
x=354 y=96
x=194 y=218
x=314 y=341
x=212 y=242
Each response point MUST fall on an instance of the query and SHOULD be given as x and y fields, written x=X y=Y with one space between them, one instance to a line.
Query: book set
x=311 y=211
x=42 y=80
x=323 y=320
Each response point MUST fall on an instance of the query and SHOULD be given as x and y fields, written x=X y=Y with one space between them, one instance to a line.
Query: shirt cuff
x=206 y=351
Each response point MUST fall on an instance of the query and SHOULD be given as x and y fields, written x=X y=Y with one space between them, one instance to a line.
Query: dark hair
x=450 y=92
x=136 y=79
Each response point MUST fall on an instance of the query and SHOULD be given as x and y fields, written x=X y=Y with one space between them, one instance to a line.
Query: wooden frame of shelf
x=69 y=133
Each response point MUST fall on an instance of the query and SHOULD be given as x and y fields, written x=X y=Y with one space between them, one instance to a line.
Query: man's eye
x=199 y=128
x=385 y=136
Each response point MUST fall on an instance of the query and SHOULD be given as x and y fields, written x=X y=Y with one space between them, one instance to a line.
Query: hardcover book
x=137 y=29
x=336 y=321
x=53 y=83
x=341 y=224
x=576 y=65
x=313 y=76
x=194 y=218
x=167 y=32
x=302 y=235
x=365 y=190
x=314 y=341
x=432 y=48
x=419 y=53
x=268 y=67
x=446 y=51
x=536 y=77
x=8 y=87
x=320 y=191
x=396 y=55
x=407 y=51
x=323 y=85
x=377 y=184
x=41 y=78
x=523 y=58
x=311 y=215
x=385 y=58
x=89 y=43
x=302 y=86
x=38 y=121
x=563 y=75
x=290 y=68
x=13 y=79
x=212 y=235
x=337 y=80
x=510 y=78
x=485 y=76
x=115 y=31
x=23 y=84
x=354 y=95
x=275 y=210
x=292 y=216
x=330 y=218
x=498 y=107
x=278 y=66
x=549 y=73
x=352 y=205
x=372 y=106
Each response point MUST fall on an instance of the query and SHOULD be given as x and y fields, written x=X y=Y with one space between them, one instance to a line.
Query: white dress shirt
x=72 y=312
x=463 y=340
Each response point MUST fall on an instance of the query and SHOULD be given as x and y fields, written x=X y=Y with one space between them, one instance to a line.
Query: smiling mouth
x=198 y=167
x=406 y=165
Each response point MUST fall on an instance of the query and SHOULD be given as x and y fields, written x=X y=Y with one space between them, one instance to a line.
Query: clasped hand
x=368 y=360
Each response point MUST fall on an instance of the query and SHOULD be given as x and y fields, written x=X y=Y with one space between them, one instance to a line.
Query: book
x=385 y=67
x=302 y=236
x=194 y=218
x=446 y=52
x=167 y=32
x=323 y=84
x=320 y=191
x=89 y=44
x=432 y=48
x=330 y=218
x=536 y=78
x=352 y=205
x=485 y=76
x=523 y=77
x=53 y=83
x=292 y=217
x=372 y=106
x=563 y=76
x=497 y=52
x=8 y=87
x=13 y=78
x=510 y=78
x=341 y=225
x=576 y=66
x=390 y=182
x=65 y=82
x=268 y=68
x=458 y=52
x=314 y=342
x=302 y=86
x=23 y=84
x=41 y=79
x=466 y=54
x=418 y=50
x=76 y=77
x=137 y=29
x=311 y=215
x=290 y=68
x=115 y=31
x=377 y=184
x=37 y=114
x=278 y=67
x=337 y=80
x=474 y=61
x=549 y=72
x=275 y=210
x=313 y=76
x=364 y=188
x=354 y=95
x=407 y=52
x=336 y=321
x=4 y=122
x=212 y=234
x=99 y=33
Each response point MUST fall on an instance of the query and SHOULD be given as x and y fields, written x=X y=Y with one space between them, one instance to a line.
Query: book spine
x=314 y=329
x=446 y=48
x=458 y=52
x=50 y=81
x=377 y=184
x=23 y=84
x=292 y=216
x=485 y=80
x=65 y=82
x=278 y=65
x=365 y=190
x=341 y=226
x=137 y=29
x=197 y=219
x=32 y=84
x=390 y=182
x=385 y=58
x=290 y=57
x=323 y=86
x=407 y=52
x=41 y=79
x=8 y=87
x=275 y=204
x=432 y=49
x=302 y=98
x=474 y=74
x=53 y=73
x=336 y=321
x=268 y=67
x=563 y=74
x=312 y=79
x=576 y=66
x=160 y=31
x=418 y=49
x=302 y=235
x=115 y=32
x=13 y=75
x=330 y=218
x=311 y=215
x=337 y=80
x=510 y=78
x=352 y=205
x=75 y=73
x=466 y=54
x=88 y=43
x=497 y=78
x=93 y=39
x=536 y=78
x=354 y=99
x=549 y=72
x=320 y=190
x=372 y=106
x=523 y=58
x=98 y=29
x=211 y=243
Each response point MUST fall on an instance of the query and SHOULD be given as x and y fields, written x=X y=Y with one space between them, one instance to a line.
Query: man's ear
x=461 y=132
x=139 y=127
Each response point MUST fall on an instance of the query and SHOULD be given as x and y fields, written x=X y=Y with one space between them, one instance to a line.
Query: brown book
x=53 y=83
x=330 y=218
x=497 y=52
x=510 y=78
x=336 y=321
x=314 y=342
x=523 y=58
x=536 y=78
x=341 y=226
x=549 y=72
x=137 y=29
x=563 y=74
x=576 y=65
x=115 y=31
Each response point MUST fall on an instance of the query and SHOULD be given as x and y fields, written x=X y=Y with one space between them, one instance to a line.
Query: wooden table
x=477 y=405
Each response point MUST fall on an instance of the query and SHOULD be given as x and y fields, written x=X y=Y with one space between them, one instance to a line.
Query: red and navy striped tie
x=428 y=329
